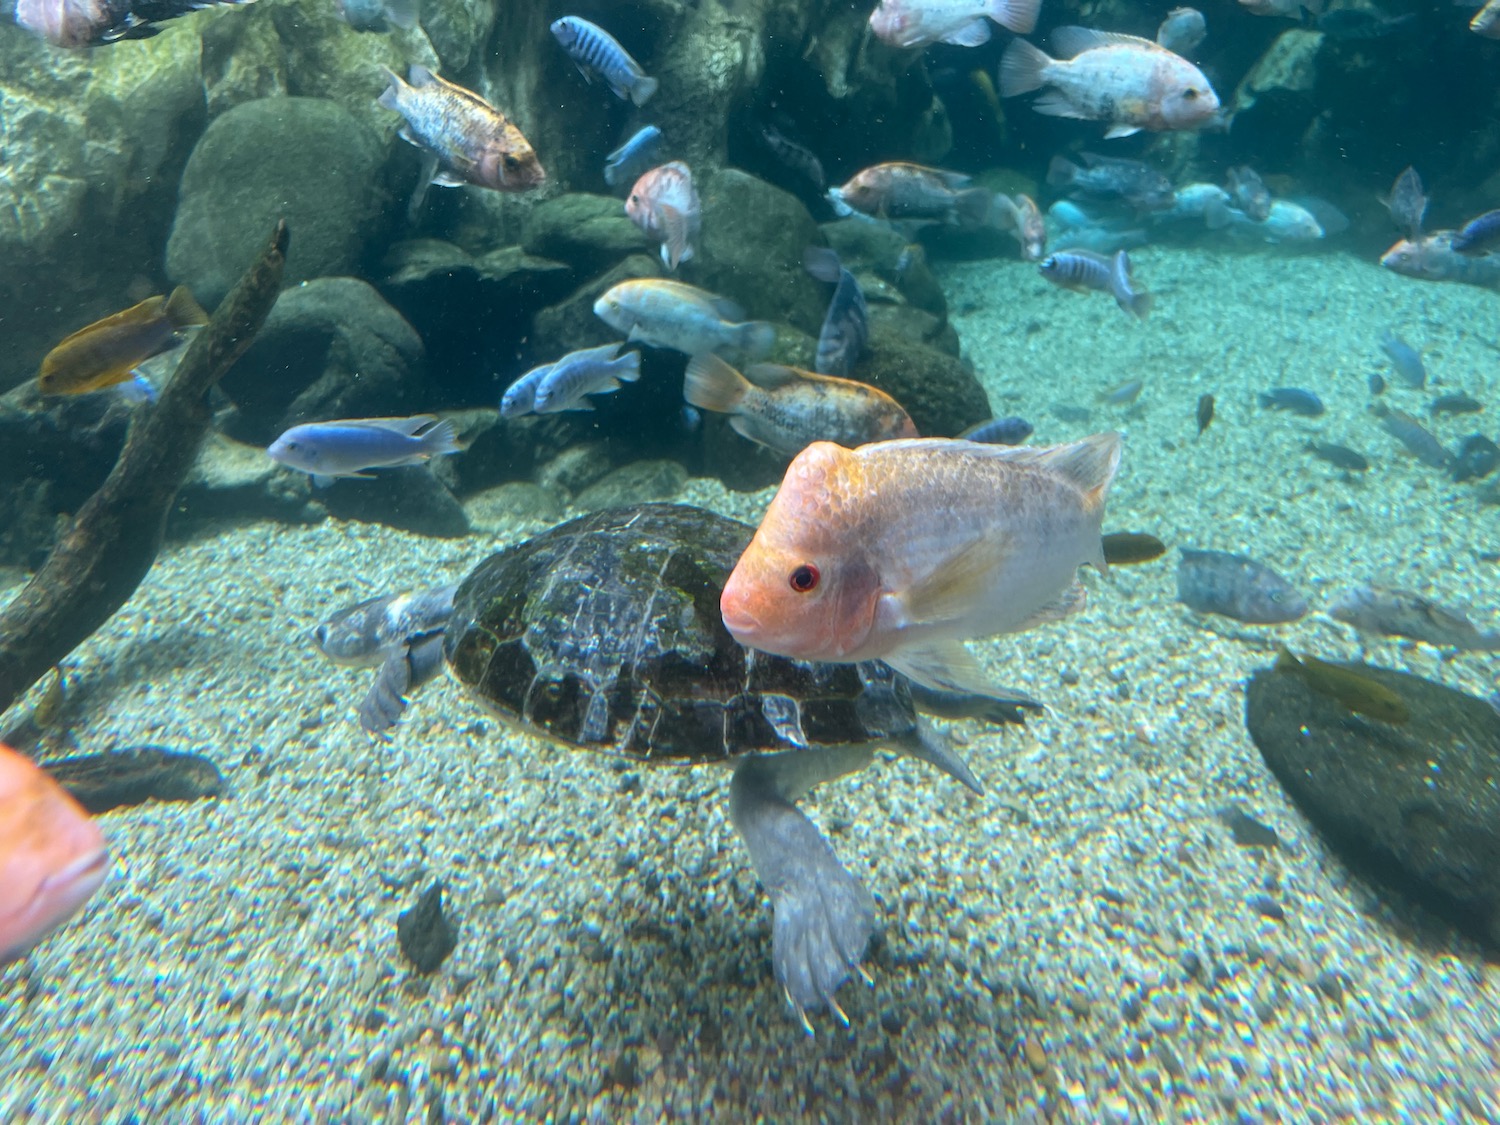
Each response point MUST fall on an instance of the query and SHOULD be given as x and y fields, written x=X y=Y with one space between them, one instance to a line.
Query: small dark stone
x=100 y=782
x=1246 y=830
x=625 y=1070
x=1268 y=906
x=890 y=1023
x=1191 y=963
x=424 y=933
x=1130 y=1007
x=1331 y=984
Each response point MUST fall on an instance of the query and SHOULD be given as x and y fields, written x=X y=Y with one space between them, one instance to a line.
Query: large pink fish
x=52 y=856
x=901 y=550
x=1131 y=83
x=665 y=205
x=916 y=23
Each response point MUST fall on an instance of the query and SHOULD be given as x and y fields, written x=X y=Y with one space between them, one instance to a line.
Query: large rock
x=307 y=160
x=331 y=348
x=937 y=389
x=589 y=232
x=1411 y=805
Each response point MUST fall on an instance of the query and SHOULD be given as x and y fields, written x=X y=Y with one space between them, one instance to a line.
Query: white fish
x=916 y=23
x=591 y=371
x=347 y=447
x=669 y=314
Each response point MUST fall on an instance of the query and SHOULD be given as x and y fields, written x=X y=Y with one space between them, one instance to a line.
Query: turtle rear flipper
x=823 y=917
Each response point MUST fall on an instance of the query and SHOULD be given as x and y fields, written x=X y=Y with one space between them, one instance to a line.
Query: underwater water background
x=1136 y=921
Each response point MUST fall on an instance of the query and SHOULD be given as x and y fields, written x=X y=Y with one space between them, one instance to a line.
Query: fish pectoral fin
x=946 y=666
x=974 y=34
x=957 y=587
x=322 y=480
x=406 y=426
x=445 y=178
x=1057 y=105
x=1115 y=132
x=1069 y=602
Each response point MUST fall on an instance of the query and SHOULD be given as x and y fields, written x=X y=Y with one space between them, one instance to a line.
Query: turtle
x=604 y=633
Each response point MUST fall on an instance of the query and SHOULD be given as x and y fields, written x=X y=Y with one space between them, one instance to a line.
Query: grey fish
x=1455 y=403
x=1205 y=412
x=798 y=157
x=1236 y=586
x=1182 y=30
x=1000 y=431
x=1250 y=193
x=1479 y=235
x=846 y=326
x=1406 y=359
x=1339 y=456
x=378 y=15
x=590 y=371
x=999 y=707
x=595 y=51
x=1407 y=203
x=1112 y=178
x=1401 y=613
x=1123 y=395
x=1416 y=437
x=1361 y=23
x=1476 y=459
x=364 y=634
x=1084 y=269
x=1293 y=399
x=637 y=156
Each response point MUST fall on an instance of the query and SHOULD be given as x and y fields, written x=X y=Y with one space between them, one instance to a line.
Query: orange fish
x=105 y=353
x=665 y=205
x=901 y=550
x=52 y=856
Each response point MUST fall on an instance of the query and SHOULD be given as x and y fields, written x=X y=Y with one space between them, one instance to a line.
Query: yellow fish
x=1345 y=685
x=107 y=351
x=901 y=550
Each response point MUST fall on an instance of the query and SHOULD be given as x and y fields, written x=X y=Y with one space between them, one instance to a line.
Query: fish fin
x=403 y=13
x=757 y=338
x=322 y=480
x=424 y=181
x=953 y=590
x=926 y=744
x=406 y=426
x=675 y=248
x=1216 y=214
x=1061 y=172
x=769 y=376
x=1069 y=602
x=1072 y=40
x=440 y=440
x=627 y=367
x=1053 y=104
x=712 y=384
x=747 y=429
x=641 y=92
x=1115 y=132
x=390 y=97
x=840 y=208
x=1018 y=16
x=445 y=178
x=727 y=309
x=945 y=665
x=136 y=389
x=822 y=263
x=419 y=75
x=973 y=34
x=1023 y=68
x=183 y=310
x=1091 y=464
x=972 y=207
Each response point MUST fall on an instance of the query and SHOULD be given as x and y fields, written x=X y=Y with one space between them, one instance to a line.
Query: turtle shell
x=605 y=632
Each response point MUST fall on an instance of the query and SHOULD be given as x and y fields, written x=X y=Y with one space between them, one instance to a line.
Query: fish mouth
x=740 y=622
x=81 y=878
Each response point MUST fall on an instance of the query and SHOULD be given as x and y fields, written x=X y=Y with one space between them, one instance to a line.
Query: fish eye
x=805 y=578
x=1190 y=94
x=510 y=161
x=293 y=445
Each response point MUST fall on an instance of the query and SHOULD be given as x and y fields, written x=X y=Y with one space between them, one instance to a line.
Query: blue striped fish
x=595 y=51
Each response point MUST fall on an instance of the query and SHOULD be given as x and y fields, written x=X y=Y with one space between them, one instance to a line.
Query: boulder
x=589 y=232
x=331 y=348
x=1413 y=805
x=307 y=160
x=937 y=389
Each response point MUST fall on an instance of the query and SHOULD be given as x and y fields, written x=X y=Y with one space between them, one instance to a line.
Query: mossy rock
x=588 y=232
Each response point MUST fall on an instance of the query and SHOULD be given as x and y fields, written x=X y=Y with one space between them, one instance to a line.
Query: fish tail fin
x=840 y=208
x=1023 y=68
x=626 y=367
x=1132 y=300
x=1285 y=661
x=641 y=92
x=972 y=207
x=1140 y=304
x=390 y=97
x=183 y=309
x=1216 y=214
x=439 y=439
x=757 y=338
x=403 y=13
x=711 y=384
x=822 y=263
x=1018 y=16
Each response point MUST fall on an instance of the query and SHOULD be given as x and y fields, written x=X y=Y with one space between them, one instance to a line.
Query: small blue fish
x=1293 y=399
x=1417 y=439
x=591 y=371
x=346 y=448
x=846 y=327
x=1084 y=269
x=596 y=52
x=633 y=159
x=1000 y=431
x=1478 y=235
x=1406 y=359
x=520 y=396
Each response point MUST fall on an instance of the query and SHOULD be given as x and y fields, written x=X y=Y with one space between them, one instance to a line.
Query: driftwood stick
x=100 y=560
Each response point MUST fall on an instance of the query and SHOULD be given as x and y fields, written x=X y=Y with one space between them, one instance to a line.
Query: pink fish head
x=803 y=588
x=893 y=23
x=1411 y=259
x=1187 y=100
x=65 y=23
x=52 y=856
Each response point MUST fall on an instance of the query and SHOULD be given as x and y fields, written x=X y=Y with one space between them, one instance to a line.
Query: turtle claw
x=822 y=925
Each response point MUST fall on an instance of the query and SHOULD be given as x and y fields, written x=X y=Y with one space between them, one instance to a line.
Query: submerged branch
x=112 y=542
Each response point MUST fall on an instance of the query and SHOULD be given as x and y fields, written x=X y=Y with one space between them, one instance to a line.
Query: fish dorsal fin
x=953 y=590
x=1071 y=41
x=954 y=180
x=769 y=376
x=183 y=310
x=944 y=665
x=729 y=310
x=407 y=426
x=1089 y=464
x=1070 y=601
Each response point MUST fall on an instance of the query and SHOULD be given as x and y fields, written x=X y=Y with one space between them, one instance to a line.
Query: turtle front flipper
x=823 y=917
x=407 y=668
